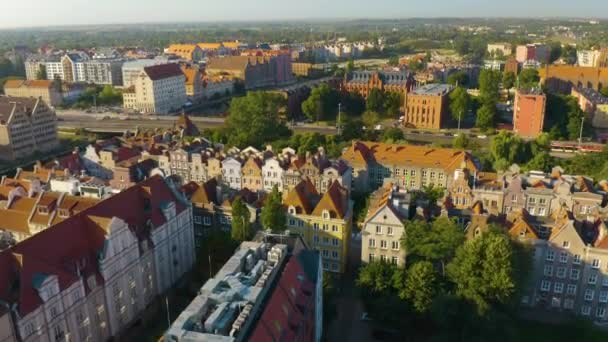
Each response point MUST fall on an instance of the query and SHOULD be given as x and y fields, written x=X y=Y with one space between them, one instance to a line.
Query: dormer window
x=325 y=214
x=43 y=210
x=64 y=213
x=292 y=210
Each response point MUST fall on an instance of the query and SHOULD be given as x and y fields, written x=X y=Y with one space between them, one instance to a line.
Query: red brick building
x=529 y=113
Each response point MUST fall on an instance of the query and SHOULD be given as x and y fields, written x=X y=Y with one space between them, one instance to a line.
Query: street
x=347 y=325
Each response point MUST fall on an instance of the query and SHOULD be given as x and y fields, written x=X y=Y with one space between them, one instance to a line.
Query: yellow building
x=325 y=222
x=190 y=52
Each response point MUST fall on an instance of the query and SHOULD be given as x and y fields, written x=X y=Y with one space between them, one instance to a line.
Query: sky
x=29 y=13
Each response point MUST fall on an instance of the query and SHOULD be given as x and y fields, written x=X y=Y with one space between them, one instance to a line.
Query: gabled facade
x=272 y=174
x=232 y=173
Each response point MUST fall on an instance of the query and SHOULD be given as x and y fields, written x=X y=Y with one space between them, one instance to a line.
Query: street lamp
x=580 y=136
x=339 y=116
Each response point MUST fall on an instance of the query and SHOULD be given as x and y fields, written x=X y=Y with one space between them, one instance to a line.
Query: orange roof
x=209 y=46
x=190 y=74
x=28 y=84
x=16 y=221
x=231 y=45
x=181 y=48
x=335 y=200
x=521 y=228
x=360 y=153
x=302 y=196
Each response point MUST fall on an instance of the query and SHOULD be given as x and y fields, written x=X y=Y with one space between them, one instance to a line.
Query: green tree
x=509 y=148
x=568 y=54
x=392 y=135
x=241 y=226
x=375 y=100
x=273 y=213
x=109 y=95
x=460 y=103
x=350 y=66
x=41 y=74
x=489 y=86
x=436 y=241
x=486 y=116
x=483 y=271
x=392 y=104
x=393 y=61
x=458 y=78
x=420 y=286
x=352 y=129
x=529 y=78
x=254 y=119
x=376 y=276
x=322 y=104
x=541 y=161
x=353 y=103
x=508 y=80
x=604 y=91
x=370 y=119
x=462 y=141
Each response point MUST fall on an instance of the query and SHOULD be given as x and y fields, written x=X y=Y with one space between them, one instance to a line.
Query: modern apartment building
x=112 y=261
x=529 y=112
x=159 y=89
x=323 y=221
x=408 y=166
x=43 y=89
x=427 y=106
x=592 y=58
x=27 y=125
x=384 y=227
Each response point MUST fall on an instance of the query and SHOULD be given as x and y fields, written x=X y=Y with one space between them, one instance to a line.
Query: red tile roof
x=162 y=71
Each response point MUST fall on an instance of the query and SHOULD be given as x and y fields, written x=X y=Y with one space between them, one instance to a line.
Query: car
x=482 y=136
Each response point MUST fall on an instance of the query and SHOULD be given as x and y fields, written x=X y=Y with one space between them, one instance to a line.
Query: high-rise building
x=27 y=125
x=529 y=113
x=427 y=106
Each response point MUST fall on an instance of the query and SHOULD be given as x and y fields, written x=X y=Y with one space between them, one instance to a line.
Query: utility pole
x=339 y=116
x=580 y=136
x=168 y=314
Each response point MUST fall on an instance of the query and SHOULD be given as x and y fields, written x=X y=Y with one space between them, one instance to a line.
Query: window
x=334 y=255
x=585 y=310
x=206 y=220
x=566 y=244
x=395 y=245
x=541 y=211
x=383 y=244
x=605 y=281
x=315 y=238
x=592 y=279
x=29 y=329
x=378 y=230
x=325 y=227
x=545 y=286
x=389 y=230
x=395 y=260
x=542 y=201
x=576 y=259
x=561 y=272
x=383 y=258
x=574 y=273
x=563 y=257
x=54 y=312
x=571 y=289
x=532 y=200
x=548 y=271
x=315 y=226
x=372 y=243
x=335 y=242
x=325 y=253
x=292 y=222
x=197 y=219
x=568 y=303
x=334 y=228
x=600 y=312
x=325 y=240
x=603 y=297
x=589 y=295
x=550 y=255
x=596 y=263
x=558 y=287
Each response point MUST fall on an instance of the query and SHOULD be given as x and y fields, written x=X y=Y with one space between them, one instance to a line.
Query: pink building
x=532 y=52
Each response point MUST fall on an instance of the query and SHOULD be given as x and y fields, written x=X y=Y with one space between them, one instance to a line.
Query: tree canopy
x=254 y=119
x=436 y=241
x=241 y=226
x=458 y=78
x=420 y=286
x=529 y=78
x=322 y=104
x=375 y=100
x=273 y=213
x=460 y=103
x=483 y=271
